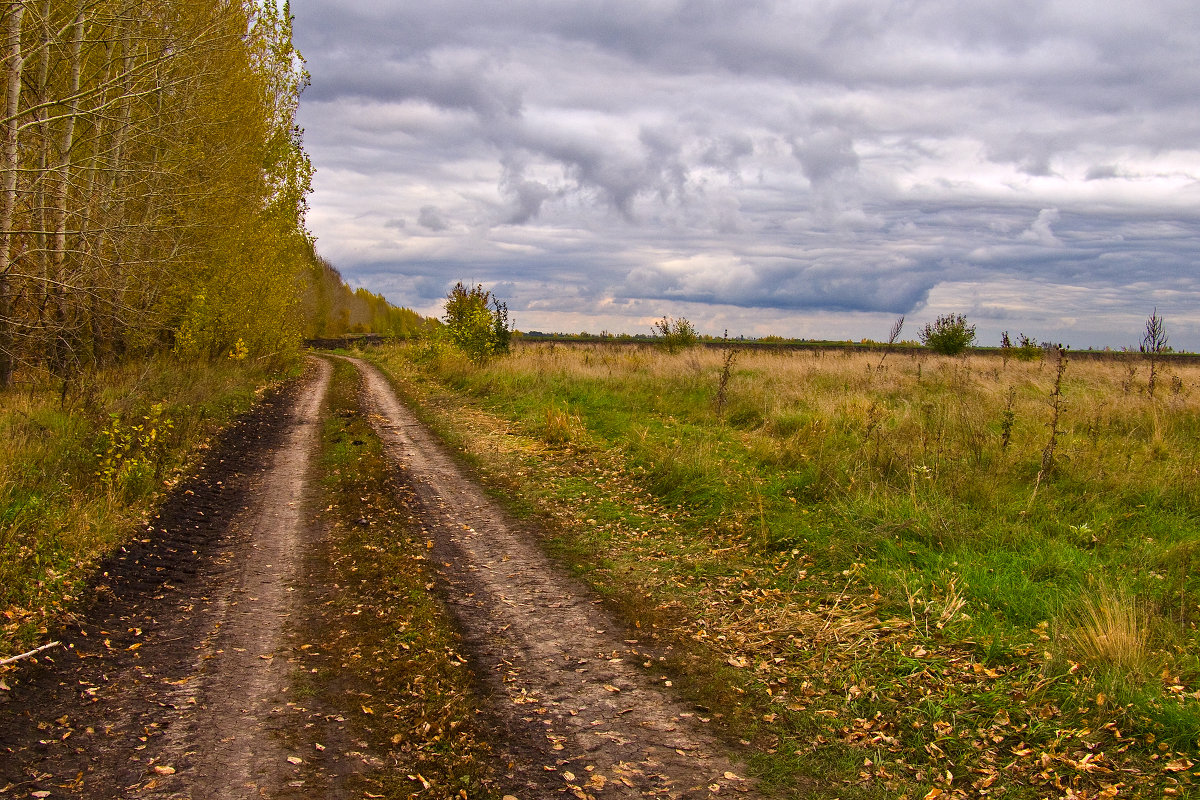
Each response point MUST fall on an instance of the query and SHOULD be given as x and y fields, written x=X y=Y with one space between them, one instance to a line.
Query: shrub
x=676 y=335
x=477 y=322
x=1025 y=349
x=949 y=335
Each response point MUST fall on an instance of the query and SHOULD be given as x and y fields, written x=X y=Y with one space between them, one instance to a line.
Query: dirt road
x=177 y=683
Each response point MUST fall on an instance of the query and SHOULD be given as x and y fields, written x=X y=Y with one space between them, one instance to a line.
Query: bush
x=676 y=335
x=1025 y=349
x=477 y=322
x=949 y=335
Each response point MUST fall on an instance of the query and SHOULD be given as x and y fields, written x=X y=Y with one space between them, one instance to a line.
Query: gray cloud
x=785 y=163
x=431 y=218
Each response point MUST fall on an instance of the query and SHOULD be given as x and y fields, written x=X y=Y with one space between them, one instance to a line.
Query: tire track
x=233 y=703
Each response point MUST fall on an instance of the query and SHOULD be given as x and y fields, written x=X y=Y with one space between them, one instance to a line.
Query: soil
x=176 y=682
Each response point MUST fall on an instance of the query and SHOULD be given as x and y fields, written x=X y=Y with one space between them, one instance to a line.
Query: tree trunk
x=8 y=181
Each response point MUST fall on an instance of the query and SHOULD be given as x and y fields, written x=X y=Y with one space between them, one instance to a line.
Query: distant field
x=922 y=576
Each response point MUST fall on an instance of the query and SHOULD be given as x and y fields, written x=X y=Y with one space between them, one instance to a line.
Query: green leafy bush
x=477 y=322
x=949 y=335
x=676 y=334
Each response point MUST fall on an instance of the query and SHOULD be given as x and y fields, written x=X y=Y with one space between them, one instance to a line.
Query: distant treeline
x=332 y=309
x=782 y=343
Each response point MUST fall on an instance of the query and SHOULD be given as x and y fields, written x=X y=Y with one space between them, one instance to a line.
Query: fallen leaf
x=295 y=760
x=568 y=775
x=164 y=770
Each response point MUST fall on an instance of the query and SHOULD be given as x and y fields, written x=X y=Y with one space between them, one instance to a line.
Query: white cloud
x=1040 y=231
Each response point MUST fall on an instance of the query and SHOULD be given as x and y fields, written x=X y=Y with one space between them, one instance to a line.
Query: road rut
x=174 y=684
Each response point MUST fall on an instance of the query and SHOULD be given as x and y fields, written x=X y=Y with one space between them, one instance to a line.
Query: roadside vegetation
x=914 y=577
x=382 y=653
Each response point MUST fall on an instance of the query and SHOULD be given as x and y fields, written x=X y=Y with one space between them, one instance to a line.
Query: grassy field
x=903 y=576
x=80 y=468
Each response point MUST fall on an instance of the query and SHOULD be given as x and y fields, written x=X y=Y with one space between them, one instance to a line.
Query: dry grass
x=560 y=427
x=1112 y=631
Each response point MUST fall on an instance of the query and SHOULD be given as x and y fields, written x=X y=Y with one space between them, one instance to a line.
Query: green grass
x=860 y=545
x=80 y=469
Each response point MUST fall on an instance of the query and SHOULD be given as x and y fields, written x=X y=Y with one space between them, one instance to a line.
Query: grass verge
x=383 y=651
x=903 y=582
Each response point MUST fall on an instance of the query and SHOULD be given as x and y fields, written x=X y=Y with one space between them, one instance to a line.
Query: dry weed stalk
x=728 y=356
x=1154 y=343
x=1007 y=419
x=1057 y=405
x=893 y=337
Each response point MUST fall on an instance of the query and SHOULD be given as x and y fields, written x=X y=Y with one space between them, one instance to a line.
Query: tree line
x=152 y=181
x=331 y=308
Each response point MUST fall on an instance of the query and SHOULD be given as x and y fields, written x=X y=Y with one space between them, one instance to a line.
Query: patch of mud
x=574 y=712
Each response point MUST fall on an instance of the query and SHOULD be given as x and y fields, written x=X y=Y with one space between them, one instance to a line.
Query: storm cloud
x=807 y=169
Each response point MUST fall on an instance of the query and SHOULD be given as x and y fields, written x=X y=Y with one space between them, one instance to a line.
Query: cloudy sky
x=809 y=168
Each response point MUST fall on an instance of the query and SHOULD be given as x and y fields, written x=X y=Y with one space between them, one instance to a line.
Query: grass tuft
x=1112 y=631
